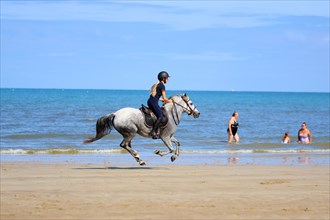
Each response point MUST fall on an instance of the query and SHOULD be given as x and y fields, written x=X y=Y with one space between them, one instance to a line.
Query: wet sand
x=93 y=191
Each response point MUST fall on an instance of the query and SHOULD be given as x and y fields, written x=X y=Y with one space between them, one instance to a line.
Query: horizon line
x=189 y=90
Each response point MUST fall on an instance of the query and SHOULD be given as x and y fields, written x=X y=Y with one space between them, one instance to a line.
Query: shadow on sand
x=120 y=168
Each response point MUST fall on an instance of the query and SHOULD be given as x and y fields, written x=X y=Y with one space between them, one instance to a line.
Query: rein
x=177 y=115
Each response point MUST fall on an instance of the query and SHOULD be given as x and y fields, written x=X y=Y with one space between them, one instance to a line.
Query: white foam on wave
x=250 y=151
x=60 y=151
x=119 y=150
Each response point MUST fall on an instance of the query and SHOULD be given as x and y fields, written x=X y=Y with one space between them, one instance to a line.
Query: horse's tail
x=103 y=128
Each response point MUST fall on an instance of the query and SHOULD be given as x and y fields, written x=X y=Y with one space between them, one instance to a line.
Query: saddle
x=150 y=118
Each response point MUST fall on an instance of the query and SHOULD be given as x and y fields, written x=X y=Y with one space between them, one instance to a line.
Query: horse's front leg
x=177 y=149
x=167 y=142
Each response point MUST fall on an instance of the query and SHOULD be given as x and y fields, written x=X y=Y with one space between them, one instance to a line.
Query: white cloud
x=296 y=36
x=293 y=8
x=57 y=54
x=179 y=15
x=203 y=56
x=312 y=39
x=208 y=56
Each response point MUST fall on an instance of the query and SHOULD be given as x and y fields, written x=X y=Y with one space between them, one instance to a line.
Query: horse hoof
x=142 y=163
x=156 y=151
x=173 y=158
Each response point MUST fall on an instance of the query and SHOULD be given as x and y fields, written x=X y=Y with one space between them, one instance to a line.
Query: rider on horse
x=158 y=91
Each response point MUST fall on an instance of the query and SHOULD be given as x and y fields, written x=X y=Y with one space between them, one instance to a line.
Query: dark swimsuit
x=153 y=101
x=234 y=128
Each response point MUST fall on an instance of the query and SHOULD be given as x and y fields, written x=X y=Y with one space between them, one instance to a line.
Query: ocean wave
x=256 y=151
x=120 y=151
x=67 y=136
x=322 y=145
x=37 y=136
x=62 y=151
x=89 y=119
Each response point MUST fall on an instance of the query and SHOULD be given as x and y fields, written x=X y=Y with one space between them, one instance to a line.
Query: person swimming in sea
x=304 y=135
x=286 y=138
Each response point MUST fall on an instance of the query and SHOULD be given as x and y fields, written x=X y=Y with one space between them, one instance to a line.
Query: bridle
x=189 y=110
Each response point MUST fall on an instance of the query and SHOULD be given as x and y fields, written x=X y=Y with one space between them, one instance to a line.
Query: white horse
x=131 y=121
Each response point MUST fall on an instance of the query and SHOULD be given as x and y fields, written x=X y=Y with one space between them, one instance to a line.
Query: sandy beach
x=89 y=191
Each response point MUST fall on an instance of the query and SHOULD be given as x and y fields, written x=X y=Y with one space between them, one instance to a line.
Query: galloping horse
x=131 y=121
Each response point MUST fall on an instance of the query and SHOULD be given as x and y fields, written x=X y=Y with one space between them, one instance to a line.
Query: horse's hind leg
x=126 y=144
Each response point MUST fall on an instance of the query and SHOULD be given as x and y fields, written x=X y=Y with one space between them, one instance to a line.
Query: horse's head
x=190 y=108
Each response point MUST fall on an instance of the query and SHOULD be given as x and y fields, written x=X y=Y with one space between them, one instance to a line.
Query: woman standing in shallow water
x=304 y=135
x=232 y=128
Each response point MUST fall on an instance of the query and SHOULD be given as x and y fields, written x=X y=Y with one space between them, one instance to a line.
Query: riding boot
x=154 y=131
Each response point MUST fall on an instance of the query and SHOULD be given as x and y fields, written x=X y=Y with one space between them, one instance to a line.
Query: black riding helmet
x=162 y=75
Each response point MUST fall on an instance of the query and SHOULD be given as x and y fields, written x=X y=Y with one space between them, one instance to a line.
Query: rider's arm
x=165 y=99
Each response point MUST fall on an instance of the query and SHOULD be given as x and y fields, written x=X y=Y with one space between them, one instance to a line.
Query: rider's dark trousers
x=153 y=105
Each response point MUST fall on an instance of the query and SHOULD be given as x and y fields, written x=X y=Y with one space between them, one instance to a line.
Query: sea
x=50 y=125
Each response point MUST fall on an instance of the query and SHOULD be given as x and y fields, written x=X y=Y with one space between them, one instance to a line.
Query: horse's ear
x=185 y=94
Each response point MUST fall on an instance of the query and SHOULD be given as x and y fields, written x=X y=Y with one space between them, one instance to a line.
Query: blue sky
x=204 y=45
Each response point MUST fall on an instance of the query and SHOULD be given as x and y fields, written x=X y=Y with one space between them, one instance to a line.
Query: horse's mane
x=172 y=96
x=167 y=105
